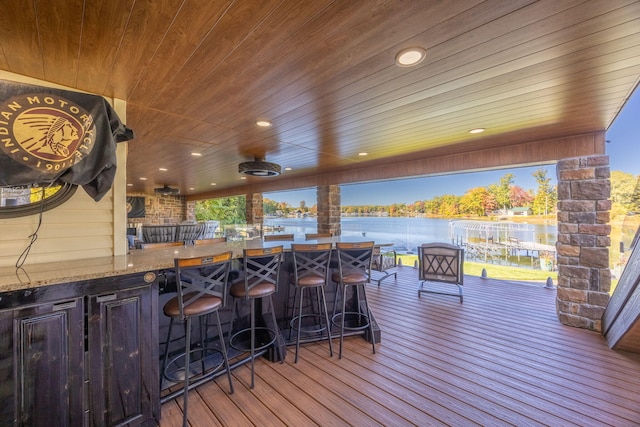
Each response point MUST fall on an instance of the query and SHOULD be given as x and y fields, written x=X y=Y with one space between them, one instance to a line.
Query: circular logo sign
x=47 y=133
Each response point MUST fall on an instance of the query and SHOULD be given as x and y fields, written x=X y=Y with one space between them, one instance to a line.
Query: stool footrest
x=211 y=357
x=313 y=328
x=354 y=320
x=261 y=344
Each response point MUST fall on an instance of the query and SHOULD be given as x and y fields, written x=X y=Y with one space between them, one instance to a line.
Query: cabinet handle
x=64 y=305
x=106 y=298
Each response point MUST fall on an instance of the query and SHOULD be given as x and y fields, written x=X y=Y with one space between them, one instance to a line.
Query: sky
x=623 y=148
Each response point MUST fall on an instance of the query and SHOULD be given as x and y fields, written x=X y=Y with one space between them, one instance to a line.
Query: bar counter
x=80 y=339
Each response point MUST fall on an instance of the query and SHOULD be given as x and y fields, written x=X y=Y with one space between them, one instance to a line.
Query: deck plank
x=500 y=358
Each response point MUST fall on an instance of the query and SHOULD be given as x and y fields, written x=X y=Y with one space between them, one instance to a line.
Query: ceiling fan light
x=259 y=168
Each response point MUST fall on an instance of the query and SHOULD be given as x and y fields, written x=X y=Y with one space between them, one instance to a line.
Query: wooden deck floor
x=500 y=358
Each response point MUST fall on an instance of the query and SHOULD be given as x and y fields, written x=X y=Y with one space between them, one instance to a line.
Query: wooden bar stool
x=260 y=281
x=354 y=271
x=311 y=271
x=201 y=290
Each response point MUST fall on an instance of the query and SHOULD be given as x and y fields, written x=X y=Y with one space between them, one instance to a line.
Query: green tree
x=623 y=192
x=227 y=210
x=546 y=196
x=502 y=191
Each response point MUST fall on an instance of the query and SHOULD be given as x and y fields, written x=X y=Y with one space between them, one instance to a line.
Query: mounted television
x=135 y=207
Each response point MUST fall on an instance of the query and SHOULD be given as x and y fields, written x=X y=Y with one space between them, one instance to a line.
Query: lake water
x=406 y=234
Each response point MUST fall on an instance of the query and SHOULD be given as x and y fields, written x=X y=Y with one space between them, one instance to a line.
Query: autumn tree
x=519 y=197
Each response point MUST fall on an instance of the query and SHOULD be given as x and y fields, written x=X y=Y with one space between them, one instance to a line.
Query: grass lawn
x=495 y=271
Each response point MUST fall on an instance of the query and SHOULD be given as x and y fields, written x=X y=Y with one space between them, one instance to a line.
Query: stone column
x=328 y=199
x=253 y=210
x=583 y=242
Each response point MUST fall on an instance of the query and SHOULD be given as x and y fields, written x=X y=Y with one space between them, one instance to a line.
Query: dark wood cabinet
x=123 y=374
x=80 y=354
x=41 y=365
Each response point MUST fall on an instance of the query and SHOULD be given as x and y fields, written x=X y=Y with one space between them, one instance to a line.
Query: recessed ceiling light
x=477 y=130
x=243 y=177
x=143 y=179
x=411 y=56
x=129 y=185
x=287 y=169
x=196 y=154
x=213 y=183
x=162 y=169
x=363 y=154
x=191 y=188
x=263 y=123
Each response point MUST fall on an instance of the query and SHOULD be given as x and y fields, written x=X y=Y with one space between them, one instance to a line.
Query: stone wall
x=584 y=278
x=254 y=209
x=328 y=201
x=161 y=210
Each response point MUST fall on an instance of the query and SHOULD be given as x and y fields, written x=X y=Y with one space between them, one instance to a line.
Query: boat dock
x=495 y=241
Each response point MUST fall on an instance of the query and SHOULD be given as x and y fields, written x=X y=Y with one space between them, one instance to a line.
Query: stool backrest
x=199 y=277
x=311 y=260
x=210 y=241
x=311 y=236
x=262 y=266
x=278 y=237
x=354 y=257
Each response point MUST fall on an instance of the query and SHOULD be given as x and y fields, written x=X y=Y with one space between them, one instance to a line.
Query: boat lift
x=489 y=240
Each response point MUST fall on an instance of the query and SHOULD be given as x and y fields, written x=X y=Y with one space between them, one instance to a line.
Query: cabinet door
x=123 y=355
x=41 y=364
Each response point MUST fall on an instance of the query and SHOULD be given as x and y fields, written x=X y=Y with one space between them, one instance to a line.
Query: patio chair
x=383 y=263
x=443 y=263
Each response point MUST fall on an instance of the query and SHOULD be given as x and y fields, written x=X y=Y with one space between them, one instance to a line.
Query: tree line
x=477 y=201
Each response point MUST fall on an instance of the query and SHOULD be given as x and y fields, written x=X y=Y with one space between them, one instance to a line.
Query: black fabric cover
x=53 y=136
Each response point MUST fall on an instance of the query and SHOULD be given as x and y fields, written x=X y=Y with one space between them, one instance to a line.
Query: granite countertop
x=137 y=261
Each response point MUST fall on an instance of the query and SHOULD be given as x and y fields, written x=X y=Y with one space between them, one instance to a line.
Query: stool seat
x=350 y=278
x=259 y=290
x=202 y=306
x=311 y=280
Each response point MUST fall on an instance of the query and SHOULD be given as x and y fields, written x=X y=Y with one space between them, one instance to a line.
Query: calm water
x=405 y=233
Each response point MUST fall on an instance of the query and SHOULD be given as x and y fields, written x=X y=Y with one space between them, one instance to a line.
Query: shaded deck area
x=500 y=358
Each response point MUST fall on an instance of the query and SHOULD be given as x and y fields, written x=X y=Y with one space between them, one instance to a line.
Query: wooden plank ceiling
x=197 y=74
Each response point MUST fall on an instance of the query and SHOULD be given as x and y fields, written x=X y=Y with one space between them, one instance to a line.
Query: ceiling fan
x=166 y=190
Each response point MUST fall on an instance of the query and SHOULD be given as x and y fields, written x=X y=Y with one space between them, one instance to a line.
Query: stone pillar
x=328 y=199
x=190 y=211
x=253 y=210
x=583 y=242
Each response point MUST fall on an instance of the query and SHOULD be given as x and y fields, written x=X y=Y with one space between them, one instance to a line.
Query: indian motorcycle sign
x=49 y=135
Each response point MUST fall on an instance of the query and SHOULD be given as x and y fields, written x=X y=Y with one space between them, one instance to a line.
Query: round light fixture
x=477 y=130
x=263 y=123
x=410 y=57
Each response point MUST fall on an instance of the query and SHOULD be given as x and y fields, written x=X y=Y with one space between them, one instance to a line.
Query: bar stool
x=201 y=290
x=311 y=271
x=354 y=271
x=261 y=274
